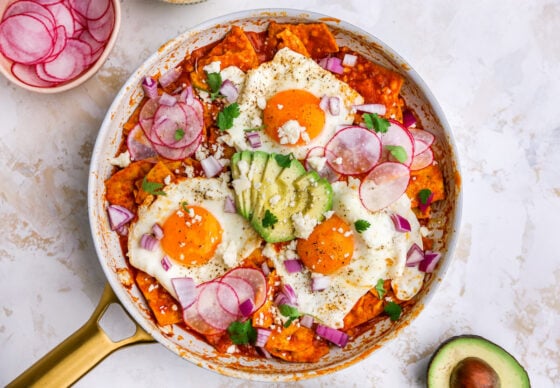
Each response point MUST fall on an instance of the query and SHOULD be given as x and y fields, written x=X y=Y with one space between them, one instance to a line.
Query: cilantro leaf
x=289 y=311
x=424 y=196
x=373 y=121
x=361 y=225
x=379 y=287
x=398 y=152
x=184 y=205
x=269 y=219
x=153 y=188
x=179 y=134
x=226 y=116
x=214 y=81
x=283 y=160
x=242 y=332
x=393 y=310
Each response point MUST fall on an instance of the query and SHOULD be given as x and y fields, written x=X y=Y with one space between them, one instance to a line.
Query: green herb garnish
x=398 y=152
x=242 y=332
x=284 y=160
x=214 y=81
x=289 y=311
x=373 y=121
x=153 y=188
x=424 y=196
x=379 y=287
x=184 y=205
x=361 y=225
x=179 y=134
x=269 y=219
x=393 y=310
x=226 y=116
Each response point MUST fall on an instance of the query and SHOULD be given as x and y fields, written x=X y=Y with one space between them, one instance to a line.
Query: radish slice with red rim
x=25 y=39
x=209 y=305
x=384 y=185
x=181 y=125
x=397 y=135
x=177 y=153
x=324 y=170
x=28 y=75
x=422 y=160
x=138 y=145
x=193 y=319
x=31 y=8
x=421 y=135
x=62 y=17
x=255 y=278
x=242 y=288
x=102 y=27
x=353 y=150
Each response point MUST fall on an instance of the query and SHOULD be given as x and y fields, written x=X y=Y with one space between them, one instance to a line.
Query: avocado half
x=474 y=354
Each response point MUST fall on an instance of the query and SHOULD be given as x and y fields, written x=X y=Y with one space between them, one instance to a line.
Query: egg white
x=289 y=70
x=238 y=238
x=379 y=253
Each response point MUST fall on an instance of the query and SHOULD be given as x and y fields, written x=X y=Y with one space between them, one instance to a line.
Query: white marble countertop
x=495 y=69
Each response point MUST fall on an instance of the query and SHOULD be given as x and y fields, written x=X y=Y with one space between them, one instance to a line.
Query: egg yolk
x=191 y=235
x=293 y=104
x=328 y=248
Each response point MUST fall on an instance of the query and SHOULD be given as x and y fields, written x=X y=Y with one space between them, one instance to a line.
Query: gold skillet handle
x=79 y=353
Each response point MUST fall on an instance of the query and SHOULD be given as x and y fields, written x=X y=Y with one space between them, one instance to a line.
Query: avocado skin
x=511 y=372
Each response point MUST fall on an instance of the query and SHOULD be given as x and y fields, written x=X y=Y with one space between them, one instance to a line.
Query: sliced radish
x=59 y=43
x=255 y=278
x=193 y=319
x=25 y=39
x=353 y=150
x=324 y=171
x=397 y=135
x=421 y=135
x=28 y=75
x=71 y=62
x=90 y=9
x=31 y=8
x=422 y=160
x=138 y=145
x=102 y=27
x=177 y=126
x=384 y=185
x=177 y=153
x=243 y=289
x=209 y=307
x=62 y=17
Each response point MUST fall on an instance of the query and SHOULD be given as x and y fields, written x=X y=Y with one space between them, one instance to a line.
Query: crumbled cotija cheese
x=290 y=132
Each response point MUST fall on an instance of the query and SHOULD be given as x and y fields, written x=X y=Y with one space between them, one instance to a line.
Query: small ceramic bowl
x=101 y=45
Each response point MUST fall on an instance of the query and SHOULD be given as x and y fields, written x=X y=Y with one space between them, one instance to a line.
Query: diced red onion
x=157 y=231
x=332 y=64
x=414 y=255
x=264 y=352
x=229 y=91
x=320 y=282
x=334 y=106
x=401 y=224
x=265 y=268
x=246 y=308
x=424 y=206
x=262 y=336
x=170 y=76
x=337 y=337
x=324 y=103
x=147 y=241
x=185 y=290
x=211 y=166
x=281 y=299
x=293 y=265
x=349 y=60
x=408 y=118
x=118 y=216
x=166 y=263
x=229 y=205
x=306 y=321
x=123 y=230
x=150 y=87
x=380 y=109
x=187 y=95
x=254 y=139
x=429 y=262
x=167 y=99
x=288 y=290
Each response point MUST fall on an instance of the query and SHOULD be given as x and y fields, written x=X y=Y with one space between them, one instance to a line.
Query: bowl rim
x=85 y=76
x=132 y=82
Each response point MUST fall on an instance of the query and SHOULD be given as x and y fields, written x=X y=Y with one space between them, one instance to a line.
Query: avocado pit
x=473 y=372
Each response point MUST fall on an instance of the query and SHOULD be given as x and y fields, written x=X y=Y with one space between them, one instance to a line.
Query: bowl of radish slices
x=51 y=46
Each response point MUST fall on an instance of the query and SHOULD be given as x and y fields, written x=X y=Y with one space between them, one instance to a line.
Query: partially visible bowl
x=82 y=36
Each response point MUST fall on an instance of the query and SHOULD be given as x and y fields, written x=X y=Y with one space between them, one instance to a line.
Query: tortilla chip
x=315 y=37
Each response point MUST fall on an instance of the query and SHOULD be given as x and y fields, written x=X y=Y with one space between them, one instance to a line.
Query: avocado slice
x=473 y=359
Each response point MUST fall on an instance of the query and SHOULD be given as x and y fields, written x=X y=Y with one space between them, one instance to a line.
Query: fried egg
x=283 y=98
x=200 y=240
x=354 y=261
